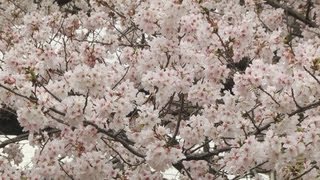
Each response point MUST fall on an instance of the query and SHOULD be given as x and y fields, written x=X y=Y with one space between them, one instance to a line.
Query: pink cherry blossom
x=132 y=89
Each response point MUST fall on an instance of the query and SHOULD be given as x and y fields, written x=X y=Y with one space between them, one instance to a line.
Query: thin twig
x=62 y=168
x=168 y=104
x=294 y=99
x=102 y=2
x=15 y=4
x=54 y=96
x=187 y=172
x=269 y=95
x=252 y=120
x=23 y=96
x=57 y=119
x=251 y=169
x=120 y=79
x=57 y=111
x=113 y=149
x=312 y=75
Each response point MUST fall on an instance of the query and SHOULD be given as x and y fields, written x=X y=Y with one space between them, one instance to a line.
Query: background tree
x=128 y=89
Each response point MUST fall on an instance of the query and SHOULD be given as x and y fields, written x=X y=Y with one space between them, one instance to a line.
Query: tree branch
x=22 y=137
x=302 y=109
x=292 y=13
x=179 y=119
x=304 y=173
x=202 y=156
x=120 y=140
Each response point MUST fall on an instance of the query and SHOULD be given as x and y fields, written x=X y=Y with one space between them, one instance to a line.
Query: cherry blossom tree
x=127 y=89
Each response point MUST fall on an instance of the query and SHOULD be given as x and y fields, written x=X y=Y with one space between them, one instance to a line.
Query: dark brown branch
x=22 y=137
x=302 y=109
x=179 y=166
x=120 y=156
x=20 y=95
x=309 y=7
x=62 y=168
x=14 y=140
x=261 y=129
x=204 y=144
x=251 y=118
x=54 y=96
x=162 y=112
x=299 y=110
x=57 y=111
x=120 y=140
x=203 y=156
x=227 y=50
x=57 y=119
x=102 y=2
x=304 y=173
x=198 y=156
x=120 y=79
x=187 y=172
x=179 y=119
x=294 y=99
x=250 y=171
x=274 y=100
x=17 y=5
x=292 y=12
x=62 y=2
x=312 y=75
x=44 y=145
x=85 y=103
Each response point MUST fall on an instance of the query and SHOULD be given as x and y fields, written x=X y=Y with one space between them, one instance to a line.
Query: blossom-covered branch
x=131 y=89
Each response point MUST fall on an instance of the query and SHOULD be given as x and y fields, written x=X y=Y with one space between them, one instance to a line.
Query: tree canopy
x=127 y=89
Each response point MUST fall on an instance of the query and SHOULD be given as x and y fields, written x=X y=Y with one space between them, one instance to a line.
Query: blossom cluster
x=129 y=89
